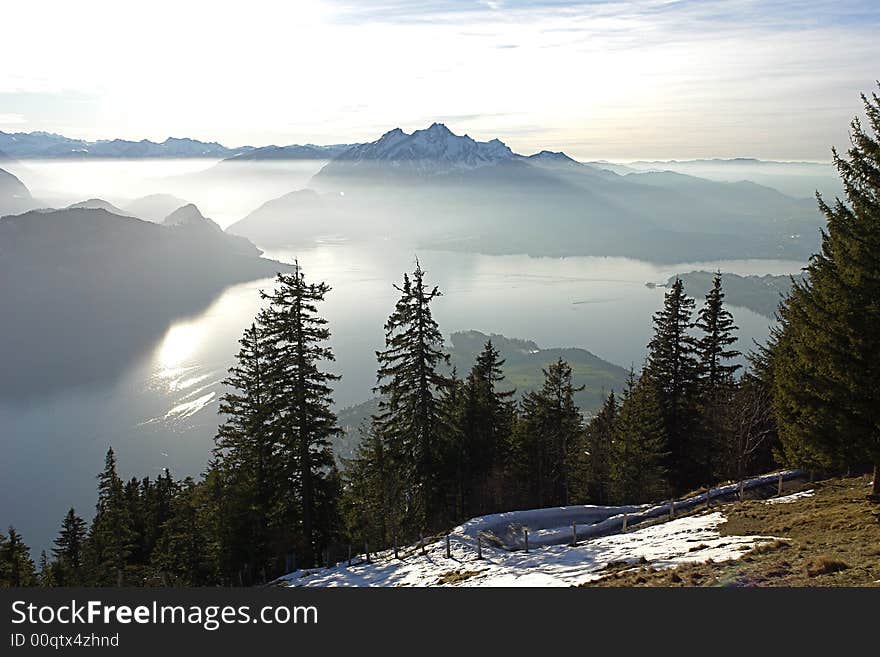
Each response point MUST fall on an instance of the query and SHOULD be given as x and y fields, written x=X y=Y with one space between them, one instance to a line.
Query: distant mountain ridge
x=442 y=190
x=34 y=145
x=90 y=289
x=15 y=197
x=761 y=294
x=293 y=152
x=48 y=145
x=433 y=150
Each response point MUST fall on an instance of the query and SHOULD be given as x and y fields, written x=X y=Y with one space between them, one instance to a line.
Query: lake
x=162 y=411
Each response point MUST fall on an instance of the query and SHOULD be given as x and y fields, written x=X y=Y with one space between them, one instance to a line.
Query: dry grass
x=830 y=539
x=824 y=565
x=455 y=576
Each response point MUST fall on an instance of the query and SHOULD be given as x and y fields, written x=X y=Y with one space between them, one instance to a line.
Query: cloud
x=10 y=119
x=646 y=78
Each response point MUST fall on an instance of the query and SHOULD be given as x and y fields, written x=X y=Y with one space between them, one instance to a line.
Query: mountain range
x=799 y=179
x=443 y=190
x=47 y=145
x=90 y=289
x=294 y=152
x=36 y=145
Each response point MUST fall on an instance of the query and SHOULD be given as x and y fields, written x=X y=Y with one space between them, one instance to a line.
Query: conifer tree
x=244 y=454
x=453 y=474
x=183 y=550
x=826 y=356
x=373 y=494
x=638 y=449
x=16 y=566
x=301 y=418
x=550 y=427
x=111 y=536
x=673 y=371
x=486 y=423
x=713 y=347
x=409 y=383
x=46 y=575
x=717 y=384
x=598 y=452
x=69 y=550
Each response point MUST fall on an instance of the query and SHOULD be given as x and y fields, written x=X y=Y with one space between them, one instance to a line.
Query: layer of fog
x=224 y=191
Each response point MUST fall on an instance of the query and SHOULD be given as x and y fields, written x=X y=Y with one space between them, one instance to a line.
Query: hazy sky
x=606 y=79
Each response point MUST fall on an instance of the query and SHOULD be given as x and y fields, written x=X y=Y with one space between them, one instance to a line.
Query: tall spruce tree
x=300 y=414
x=111 y=539
x=673 y=370
x=69 y=550
x=638 y=448
x=244 y=455
x=717 y=383
x=826 y=359
x=713 y=346
x=409 y=382
x=16 y=565
x=598 y=452
x=486 y=423
x=549 y=428
x=454 y=471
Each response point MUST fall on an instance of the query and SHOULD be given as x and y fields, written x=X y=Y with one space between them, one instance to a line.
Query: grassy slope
x=830 y=539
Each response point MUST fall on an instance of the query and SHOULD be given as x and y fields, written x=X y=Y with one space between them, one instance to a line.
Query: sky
x=608 y=79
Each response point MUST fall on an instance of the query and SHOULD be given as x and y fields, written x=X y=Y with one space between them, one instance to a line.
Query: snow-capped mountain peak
x=432 y=150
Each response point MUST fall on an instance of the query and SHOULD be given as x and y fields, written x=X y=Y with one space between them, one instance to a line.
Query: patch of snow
x=788 y=499
x=666 y=545
x=435 y=149
x=553 y=526
x=551 y=561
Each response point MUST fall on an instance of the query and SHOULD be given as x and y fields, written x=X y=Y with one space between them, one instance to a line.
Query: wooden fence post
x=708 y=497
x=672 y=507
x=779 y=485
x=574 y=534
x=625 y=518
x=422 y=545
x=349 y=554
x=366 y=552
x=448 y=548
x=479 y=547
x=741 y=490
x=526 y=534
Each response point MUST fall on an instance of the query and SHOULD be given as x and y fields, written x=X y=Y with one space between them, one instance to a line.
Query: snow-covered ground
x=788 y=499
x=551 y=560
x=665 y=545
